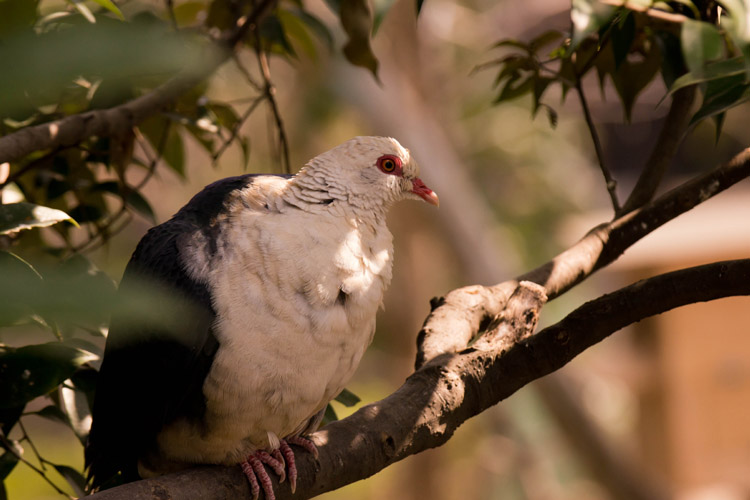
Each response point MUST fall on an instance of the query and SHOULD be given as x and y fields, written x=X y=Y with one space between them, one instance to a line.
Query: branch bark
x=434 y=401
x=115 y=120
x=455 y=382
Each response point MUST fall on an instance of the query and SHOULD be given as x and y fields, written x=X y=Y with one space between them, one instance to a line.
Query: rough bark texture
x=456 y=381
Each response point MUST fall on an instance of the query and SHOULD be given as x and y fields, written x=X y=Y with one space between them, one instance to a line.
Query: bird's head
x=369 y=172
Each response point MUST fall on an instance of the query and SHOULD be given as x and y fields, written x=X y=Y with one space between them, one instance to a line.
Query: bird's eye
x=389 y=164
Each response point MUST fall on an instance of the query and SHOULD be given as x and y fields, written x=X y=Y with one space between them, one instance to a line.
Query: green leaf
x=17 y=15
x=588 y=16
x=74 y=478
x=297 y=30
x=166 y=141
x=720 y=96
x=356 y=18
x=622 y=36
x=316 y=26
x=12 y=270
x=15 y=217
x=347 y=398
x=274 y=36
x=701 y=44
x=110 y=6
x=31 y=371
x=712 y=71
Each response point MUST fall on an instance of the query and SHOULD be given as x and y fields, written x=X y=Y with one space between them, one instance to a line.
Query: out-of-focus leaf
x=293 y=26
x=588 y=16
x=110 y=6
x=17 y=15
x=224 y=114
x=420 y=3
x=672 y=65
x=9 y=417
x=110 y=51
x=380 y=8
x=622 y=37
x=347 y=398
x=330 y=415
x=166 y=141
x=633 y=76
x=86 y=213
x=53 y=413
x=74 y=478
x=9 y=460
x=316 y=26
x=187 y=13
x=12 y=268
x=15 y=217
x=220 y=14
x=274 y=36
x=722 y=95
x=83 y=9
x=712 y=71
x=701 y=43
x=356 y=18
x=30 y=371
x=135 y=200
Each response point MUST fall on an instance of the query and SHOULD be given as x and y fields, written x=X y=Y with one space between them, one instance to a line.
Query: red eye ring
x=390 y=164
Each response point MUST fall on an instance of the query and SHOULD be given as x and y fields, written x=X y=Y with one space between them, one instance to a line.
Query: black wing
x=152 y=374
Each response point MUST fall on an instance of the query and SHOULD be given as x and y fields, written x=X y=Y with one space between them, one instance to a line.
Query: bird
x=273 y=284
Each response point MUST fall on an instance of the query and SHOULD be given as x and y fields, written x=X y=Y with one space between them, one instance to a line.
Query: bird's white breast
x=296 y=296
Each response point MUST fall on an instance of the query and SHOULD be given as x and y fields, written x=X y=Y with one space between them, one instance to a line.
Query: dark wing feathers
x=153 y=374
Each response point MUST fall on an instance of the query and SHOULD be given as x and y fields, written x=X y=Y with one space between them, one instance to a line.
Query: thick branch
x=113 y=121
x=460 y=314
x=433 y=402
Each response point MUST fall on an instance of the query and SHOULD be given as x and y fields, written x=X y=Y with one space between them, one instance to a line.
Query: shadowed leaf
x=356 y=18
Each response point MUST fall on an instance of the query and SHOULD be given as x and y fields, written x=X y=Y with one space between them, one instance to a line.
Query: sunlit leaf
x=30 y=371
x=15 y=217
x=110 y=6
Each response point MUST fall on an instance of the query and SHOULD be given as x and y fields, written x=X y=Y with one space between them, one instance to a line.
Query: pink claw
x=256 y=472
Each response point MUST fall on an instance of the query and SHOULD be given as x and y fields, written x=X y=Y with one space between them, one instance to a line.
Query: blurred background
x=660 y=410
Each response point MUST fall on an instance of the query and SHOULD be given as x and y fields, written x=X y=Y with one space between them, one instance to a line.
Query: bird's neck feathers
x=320 y=186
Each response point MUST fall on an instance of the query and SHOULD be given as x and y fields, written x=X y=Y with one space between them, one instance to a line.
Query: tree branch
x=666 y=146
x=112 y=121
x=434 y=401
x=457 y=317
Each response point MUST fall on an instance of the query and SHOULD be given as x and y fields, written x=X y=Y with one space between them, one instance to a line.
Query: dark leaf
x=166 y=141
x=86 y=213
x=223 y=114
x=31 y=371
x=544 y=39
x=8 y=460
x=15 y=217
x=137 y=202
x=316 y=26
x=420 y=3
x=74 y=478
x=274 y=38
x=622 y=36
x=330 y=415
x=356 y=18
x=712 y=71
x=672 y=64
x=347 y=398
x=53 y=413
x=727 y=94
x=9 y=417
x=633 y=76
x=17 y=15
x=13 y=270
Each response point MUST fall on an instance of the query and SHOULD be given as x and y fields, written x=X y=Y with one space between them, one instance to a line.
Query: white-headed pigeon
x=277 y=281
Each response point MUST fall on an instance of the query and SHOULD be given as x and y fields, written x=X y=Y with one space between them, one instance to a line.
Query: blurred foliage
x=702 y=43
x=66 y=58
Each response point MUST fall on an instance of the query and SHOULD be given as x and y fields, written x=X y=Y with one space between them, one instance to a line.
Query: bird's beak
x=427 y=194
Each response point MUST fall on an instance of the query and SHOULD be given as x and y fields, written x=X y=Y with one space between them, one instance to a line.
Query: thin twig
x=248 y=77
x=10 y=449
x=270 y=92
x=27 y=438
x=236 y=127
x=611 y=183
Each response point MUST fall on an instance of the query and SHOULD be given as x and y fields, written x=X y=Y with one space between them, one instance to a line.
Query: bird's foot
x=277 y=460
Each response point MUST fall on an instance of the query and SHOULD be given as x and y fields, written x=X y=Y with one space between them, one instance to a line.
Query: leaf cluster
x=686 y=43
